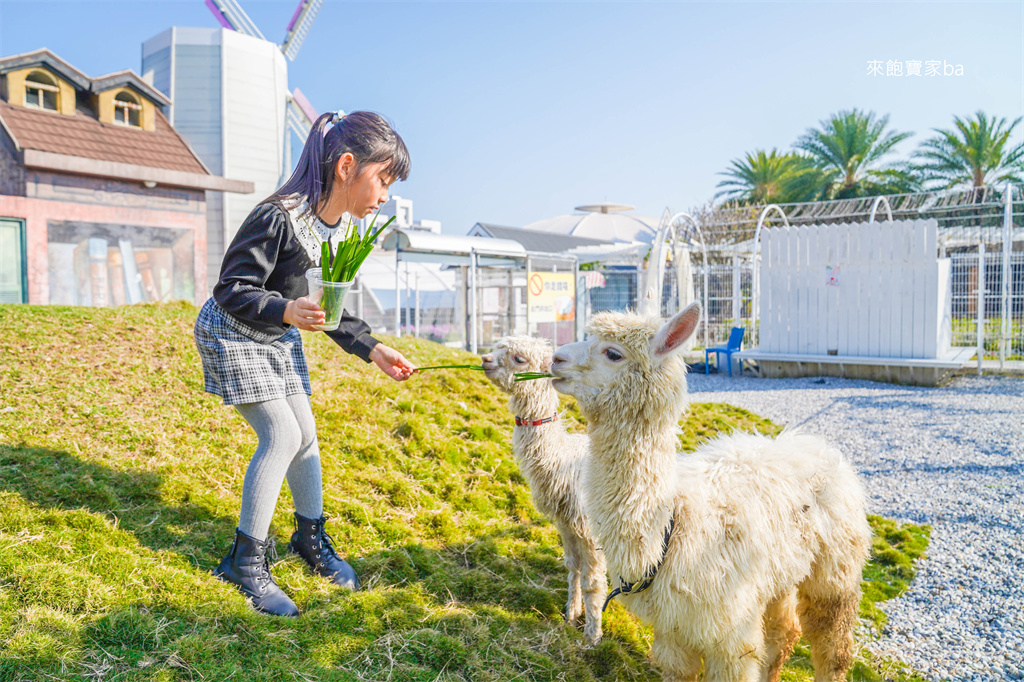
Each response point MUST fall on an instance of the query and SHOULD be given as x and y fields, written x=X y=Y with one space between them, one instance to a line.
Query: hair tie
x=336 y=118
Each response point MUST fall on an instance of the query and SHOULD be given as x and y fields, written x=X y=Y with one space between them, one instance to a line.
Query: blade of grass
x=476 y=367
x=339 y=261
x=530 y=376
x=365 y=247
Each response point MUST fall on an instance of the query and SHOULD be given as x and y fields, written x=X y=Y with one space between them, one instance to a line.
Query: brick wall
x=12 y=175
x=91 y=190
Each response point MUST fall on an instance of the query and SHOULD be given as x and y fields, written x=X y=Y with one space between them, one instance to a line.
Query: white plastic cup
x=328 y=295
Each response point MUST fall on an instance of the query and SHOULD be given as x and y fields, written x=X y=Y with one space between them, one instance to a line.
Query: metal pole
x=464 y=304
x=398 y=295
x=575 y=299
x=736 y=291
x=707 y=309
x=472 y=305
x=359 y=300
x=527 y=294
x=510 y=309
x=981 y=304
x=1004 y=328
x=417 y=305
x=408 y=298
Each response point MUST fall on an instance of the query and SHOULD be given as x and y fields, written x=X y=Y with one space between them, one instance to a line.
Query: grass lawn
x=120 y=481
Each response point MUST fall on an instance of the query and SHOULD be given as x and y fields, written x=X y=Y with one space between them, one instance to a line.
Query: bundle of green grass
x=120 y=479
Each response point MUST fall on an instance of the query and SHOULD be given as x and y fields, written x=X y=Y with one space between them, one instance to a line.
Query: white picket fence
x=867 y=290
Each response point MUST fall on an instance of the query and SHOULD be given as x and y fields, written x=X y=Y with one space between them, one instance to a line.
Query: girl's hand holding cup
x=304 y=314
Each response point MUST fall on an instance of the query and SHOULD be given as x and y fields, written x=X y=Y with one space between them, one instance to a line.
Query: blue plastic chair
x=734 y=346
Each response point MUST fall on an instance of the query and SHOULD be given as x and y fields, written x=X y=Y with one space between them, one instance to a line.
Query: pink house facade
x=102 y=202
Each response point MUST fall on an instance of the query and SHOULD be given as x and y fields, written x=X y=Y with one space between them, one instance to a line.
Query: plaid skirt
x=242 y=364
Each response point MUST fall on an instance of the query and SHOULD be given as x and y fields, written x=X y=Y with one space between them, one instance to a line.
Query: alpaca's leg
x=828 y=620
x=571 y=553
x=781 y=632
x=595 y=588
x=739 y=657
x=678 y=662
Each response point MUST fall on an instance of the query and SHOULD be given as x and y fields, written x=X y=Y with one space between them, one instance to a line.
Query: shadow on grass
x=344 y=642
x=50 y=478
x=485 y=609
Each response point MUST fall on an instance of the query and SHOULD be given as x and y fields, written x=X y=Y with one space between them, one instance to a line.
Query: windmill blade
x=299 y=26
x=300 y=114
x=231 y=15
x=299 y=98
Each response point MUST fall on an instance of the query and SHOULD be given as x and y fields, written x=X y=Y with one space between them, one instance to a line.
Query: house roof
x=598 y=224
x=129 y=77
x=536 y=241
x=43 y=57
x=416 y=245
x=82 y=135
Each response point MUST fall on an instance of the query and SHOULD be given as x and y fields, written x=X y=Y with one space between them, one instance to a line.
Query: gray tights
x=287 y=447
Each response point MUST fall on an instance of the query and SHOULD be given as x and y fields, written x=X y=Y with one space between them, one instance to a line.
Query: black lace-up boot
x=311 y=542
x=247 y=566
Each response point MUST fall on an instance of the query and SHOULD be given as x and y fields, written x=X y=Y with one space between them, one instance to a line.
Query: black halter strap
x=648 y=579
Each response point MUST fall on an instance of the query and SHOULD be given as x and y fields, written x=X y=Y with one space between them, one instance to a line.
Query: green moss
x=894 y=548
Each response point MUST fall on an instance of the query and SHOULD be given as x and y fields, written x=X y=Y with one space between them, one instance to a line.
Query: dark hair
x=365 y=134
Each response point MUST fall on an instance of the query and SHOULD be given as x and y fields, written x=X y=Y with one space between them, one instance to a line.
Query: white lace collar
x=311 y=231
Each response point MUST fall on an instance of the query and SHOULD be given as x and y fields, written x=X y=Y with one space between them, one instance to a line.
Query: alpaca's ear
x=676 y=331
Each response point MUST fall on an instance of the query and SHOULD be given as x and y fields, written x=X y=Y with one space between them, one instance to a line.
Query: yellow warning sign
x=551 y=296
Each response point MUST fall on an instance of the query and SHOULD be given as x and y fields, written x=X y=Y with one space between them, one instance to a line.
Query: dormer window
x=41 y=91
x=127 y=110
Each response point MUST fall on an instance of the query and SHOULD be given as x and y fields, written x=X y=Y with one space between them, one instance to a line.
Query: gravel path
x=951 y=457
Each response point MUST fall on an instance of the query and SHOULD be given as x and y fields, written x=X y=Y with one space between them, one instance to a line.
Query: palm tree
x=975 y=154
x=849 y=149
x=769 y=178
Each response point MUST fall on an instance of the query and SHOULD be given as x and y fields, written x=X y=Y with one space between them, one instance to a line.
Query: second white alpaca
x=551 y=461
x=763 y=535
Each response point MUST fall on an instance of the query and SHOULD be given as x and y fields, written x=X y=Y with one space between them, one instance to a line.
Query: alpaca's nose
x=558 y=362
x=487 y=358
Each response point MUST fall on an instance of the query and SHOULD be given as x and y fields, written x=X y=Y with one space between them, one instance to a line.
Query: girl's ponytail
x=364 y=134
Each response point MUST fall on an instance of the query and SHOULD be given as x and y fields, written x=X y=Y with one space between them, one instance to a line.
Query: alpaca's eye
x=612 y=354
x=518 y=360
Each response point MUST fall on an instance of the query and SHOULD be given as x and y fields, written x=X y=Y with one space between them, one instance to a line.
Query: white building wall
x=255 y=87
x=228 y=100
x=400 y=208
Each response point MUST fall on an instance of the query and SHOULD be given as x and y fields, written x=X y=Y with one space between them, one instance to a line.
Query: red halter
x=523 y=422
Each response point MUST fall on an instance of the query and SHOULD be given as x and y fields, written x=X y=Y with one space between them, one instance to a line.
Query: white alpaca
x=769 y=534
x=551 y=461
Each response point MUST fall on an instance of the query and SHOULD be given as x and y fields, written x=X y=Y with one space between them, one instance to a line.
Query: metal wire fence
x=728 y=300
x=1002 y=338
x=987 y=219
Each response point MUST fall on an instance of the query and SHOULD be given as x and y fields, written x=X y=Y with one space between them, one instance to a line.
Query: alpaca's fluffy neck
x=631 y=488
x=533 y=401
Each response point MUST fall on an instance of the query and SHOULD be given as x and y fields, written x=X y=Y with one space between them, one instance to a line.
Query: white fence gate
x=869 y=290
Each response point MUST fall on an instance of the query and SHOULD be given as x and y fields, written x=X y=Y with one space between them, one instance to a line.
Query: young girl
x=249 y=342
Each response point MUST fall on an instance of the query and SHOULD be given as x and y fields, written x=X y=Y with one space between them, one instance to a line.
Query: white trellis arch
x=680 y=226
x=874 y=208
x=756 y=283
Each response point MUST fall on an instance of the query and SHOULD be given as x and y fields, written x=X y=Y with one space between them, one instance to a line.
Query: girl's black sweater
x=264 y=268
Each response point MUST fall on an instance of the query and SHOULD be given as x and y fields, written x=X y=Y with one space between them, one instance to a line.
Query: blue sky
x=519 y=111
